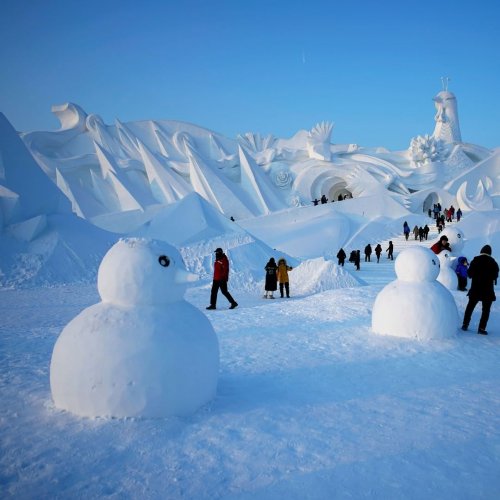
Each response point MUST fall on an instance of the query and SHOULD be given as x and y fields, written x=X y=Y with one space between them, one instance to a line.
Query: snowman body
x=415 y=305
x=447 y=276
x=141 y=352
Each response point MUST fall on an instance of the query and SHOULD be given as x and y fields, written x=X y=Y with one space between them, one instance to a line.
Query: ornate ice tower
x=447 y=127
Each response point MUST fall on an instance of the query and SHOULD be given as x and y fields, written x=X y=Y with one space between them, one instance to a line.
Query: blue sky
x=273 y=67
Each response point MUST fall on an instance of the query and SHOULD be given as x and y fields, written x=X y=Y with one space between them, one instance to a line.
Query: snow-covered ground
x=310 y=404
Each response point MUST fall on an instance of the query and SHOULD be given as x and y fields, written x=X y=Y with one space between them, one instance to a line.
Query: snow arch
x=430 y=201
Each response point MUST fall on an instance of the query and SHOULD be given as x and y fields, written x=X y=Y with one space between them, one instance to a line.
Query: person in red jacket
x=221 y=277
x=441 y=245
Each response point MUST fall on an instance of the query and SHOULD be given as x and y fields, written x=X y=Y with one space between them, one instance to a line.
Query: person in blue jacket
x=461 y=271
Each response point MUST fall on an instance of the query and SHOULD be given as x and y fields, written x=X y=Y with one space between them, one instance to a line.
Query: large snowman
x=415 y=305
x=143 y=350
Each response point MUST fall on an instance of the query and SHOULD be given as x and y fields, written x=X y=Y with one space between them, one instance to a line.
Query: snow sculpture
x=318 y=141
x=415 y=305
x=479 y=201
x=455 y=239
x=447 y=127
x=143 y=350
x=426 y=149
x=447 y=276
x=262 y=149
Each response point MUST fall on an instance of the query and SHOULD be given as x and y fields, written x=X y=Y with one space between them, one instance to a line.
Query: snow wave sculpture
x=146 y=165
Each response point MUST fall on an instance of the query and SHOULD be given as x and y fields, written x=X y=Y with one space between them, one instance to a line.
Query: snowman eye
x=164 y=261
x=433 y=261
x=459 y=236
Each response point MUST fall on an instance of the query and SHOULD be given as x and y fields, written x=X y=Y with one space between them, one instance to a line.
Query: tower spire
x=444 y=81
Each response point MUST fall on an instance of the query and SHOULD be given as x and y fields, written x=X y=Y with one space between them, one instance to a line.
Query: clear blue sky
x=233 y=66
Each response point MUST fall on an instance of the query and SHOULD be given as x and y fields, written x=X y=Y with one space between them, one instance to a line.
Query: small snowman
x=449 y=260
x=447 y=275
x=415 y=305
x=143 y=351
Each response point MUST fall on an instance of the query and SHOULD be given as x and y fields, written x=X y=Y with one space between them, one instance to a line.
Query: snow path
x=310 y=404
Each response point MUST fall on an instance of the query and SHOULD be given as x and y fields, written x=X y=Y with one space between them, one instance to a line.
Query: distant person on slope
x=283 y=279
x=415 y=232
x=221 y=277
x=368 y=252
x=483 y=271
x=271 y=278
x=378 y=251
x=441 y=245
x=406 y=230
x=390 y=249
x=357 y=260
x=341 y=255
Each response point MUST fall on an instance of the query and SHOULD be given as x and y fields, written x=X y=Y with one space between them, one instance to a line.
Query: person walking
x=483 y=271
x=378 y=251
x=283 y=279
x=415 y=232
x=390 y=249
x=426 y=231
x=406 y=230
x=341 y=255
x=368 y=252
x=459 y=214
x=357 y=260
x=221 y=277
x=271 y=278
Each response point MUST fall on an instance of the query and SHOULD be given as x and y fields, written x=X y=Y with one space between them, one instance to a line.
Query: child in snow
x=461 y=271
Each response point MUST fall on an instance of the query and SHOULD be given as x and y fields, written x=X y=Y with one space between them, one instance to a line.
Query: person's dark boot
x=233 y=305
x=210 y=307
x=482 y=331
x=465 y=328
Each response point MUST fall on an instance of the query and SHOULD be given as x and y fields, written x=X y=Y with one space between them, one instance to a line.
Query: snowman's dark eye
x=433 y=261
x=459 y=236
x=164 y=261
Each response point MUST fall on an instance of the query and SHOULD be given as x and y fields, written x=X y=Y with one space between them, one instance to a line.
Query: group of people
x=277 y=274
x=355 y=255
x=324 y=199
x=419 y=232
x=483 y=272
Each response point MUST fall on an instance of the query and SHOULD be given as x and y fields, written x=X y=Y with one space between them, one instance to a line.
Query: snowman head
x=138 y=271
x=417 y=264
x=455 y=239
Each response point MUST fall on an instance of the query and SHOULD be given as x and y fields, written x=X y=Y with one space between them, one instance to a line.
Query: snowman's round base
x=422 y=311
x=135 y=362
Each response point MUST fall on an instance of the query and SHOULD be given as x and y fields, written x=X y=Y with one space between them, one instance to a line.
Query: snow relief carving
x=427 y=149
x=318 y=141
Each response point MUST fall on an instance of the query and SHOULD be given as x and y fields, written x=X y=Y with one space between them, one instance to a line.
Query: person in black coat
x=271 y=278
x=368 y=252
x=341 y=255
x=483 y=271
x=378 y=251
x=390 y=249
x=357 y=259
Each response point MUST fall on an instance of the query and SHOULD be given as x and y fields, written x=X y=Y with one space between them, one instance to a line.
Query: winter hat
x=218 y=250
x=486 y=249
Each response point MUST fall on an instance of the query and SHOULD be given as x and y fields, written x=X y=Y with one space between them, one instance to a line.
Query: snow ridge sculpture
x=143 y=351
x=143 y=166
